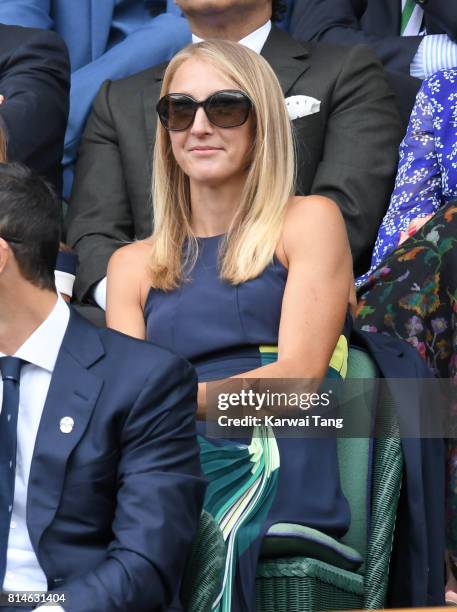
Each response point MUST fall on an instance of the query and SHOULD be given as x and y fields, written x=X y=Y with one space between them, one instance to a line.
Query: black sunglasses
x=226 y=109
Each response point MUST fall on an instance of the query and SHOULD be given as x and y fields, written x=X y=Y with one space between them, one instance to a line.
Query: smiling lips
x=204 y=150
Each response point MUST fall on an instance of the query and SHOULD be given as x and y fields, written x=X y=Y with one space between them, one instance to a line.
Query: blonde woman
x=240 y=278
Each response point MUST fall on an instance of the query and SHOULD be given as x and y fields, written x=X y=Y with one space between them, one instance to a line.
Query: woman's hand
x=413 y=227
x=201 y=402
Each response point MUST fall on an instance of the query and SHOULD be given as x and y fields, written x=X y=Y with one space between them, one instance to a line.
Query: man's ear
x=5 y=254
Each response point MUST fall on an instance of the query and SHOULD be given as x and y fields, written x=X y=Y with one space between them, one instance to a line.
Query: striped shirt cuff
x=436 y=51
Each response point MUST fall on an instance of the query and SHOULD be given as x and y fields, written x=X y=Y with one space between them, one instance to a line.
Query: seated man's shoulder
x=128 y=92
x=17 y=36
x=146 y=354
x=137 y=82
x=137 y=359
x=332 y=70
x=335 y=56
x=147 y=367
x=309 y=52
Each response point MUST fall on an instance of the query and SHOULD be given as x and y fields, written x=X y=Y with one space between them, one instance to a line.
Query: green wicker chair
x=294 y=583
x=204 y=570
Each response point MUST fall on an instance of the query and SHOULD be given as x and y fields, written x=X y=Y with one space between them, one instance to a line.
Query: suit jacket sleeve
x=444 y=15
x=159 y=500
x=26 y=13
x=35 y=80
x=100 y=218
x=338 y=22
x=361 y=150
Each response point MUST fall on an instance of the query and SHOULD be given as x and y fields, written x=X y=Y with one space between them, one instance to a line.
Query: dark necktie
x=11 y=370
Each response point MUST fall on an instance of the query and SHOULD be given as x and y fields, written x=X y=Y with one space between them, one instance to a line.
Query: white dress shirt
x=64 y=282
x=40 y=350
x=255 y=41
x=435 y=52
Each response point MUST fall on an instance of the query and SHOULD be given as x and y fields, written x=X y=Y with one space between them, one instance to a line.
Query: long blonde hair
x=255 y=230
x=2 y=142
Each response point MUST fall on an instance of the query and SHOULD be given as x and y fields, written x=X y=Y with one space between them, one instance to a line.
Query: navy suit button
x=421 y=2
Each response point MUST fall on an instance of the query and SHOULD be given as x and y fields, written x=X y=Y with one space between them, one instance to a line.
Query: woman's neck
x=213 y=208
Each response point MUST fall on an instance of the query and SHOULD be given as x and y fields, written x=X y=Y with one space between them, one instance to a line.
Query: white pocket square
x=300 y=106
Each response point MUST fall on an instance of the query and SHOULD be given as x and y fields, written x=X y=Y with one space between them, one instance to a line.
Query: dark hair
x=30 y=221
x=278 y=9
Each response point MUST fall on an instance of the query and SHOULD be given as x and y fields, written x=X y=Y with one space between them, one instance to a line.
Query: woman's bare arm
x=316 y=250
x=126 y=289
x=314 y=247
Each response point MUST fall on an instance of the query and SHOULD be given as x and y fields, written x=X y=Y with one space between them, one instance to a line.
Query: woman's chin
x=210 y=177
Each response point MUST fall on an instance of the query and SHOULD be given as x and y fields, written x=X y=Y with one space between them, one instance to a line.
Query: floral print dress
x=411 y=290
x=427 y=172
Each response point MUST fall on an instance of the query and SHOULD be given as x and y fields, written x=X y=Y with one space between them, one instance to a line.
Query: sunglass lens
x=176 y=112
x=228 y=109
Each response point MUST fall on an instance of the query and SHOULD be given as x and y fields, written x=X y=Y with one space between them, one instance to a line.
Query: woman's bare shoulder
x=132 y=259
x=311 y=224
x=134 y=252
x=312 y=208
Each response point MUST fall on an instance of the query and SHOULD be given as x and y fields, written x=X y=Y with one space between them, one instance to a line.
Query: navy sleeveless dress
x=224 y=330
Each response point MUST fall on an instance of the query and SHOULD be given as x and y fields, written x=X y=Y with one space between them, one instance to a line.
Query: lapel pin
x=66 y=424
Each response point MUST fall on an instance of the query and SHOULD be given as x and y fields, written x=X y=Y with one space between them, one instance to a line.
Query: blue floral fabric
x=427 y=172
x=410 y=290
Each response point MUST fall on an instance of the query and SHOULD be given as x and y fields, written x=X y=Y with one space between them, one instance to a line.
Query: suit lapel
x=150 y=98
x=73 y=392
x=288 y=58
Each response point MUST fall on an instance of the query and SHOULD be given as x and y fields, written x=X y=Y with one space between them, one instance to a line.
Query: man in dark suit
x=347 y=144
x=106 y=39
x=34 y=86
x=395 y=29
x=100 y=482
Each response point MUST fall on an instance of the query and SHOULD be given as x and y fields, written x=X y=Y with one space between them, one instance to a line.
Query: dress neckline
x=217 y=237
x=210 y=237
